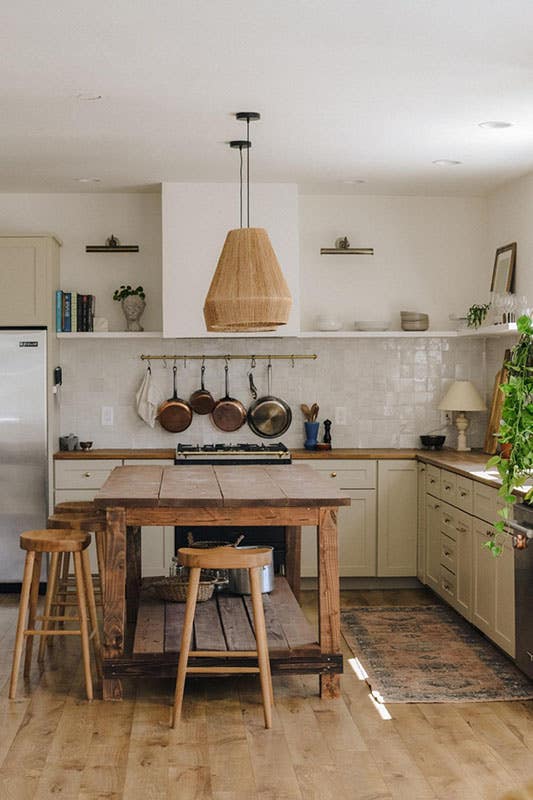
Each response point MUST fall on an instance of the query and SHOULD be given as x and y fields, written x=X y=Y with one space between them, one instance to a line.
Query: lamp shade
x=462 y=396
x=248 y=291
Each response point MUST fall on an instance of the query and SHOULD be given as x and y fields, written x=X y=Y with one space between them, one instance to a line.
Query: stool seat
x=55 y=541
x=77 y=521
x=225 y=557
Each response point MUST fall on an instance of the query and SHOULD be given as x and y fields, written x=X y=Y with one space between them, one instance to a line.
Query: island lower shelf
x=222 y=623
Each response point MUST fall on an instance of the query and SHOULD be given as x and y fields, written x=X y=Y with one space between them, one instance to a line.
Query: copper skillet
x=228 y=414
x=202 y=401
x=175 y=415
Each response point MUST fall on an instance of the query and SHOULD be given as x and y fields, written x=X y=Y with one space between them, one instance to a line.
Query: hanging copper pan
x=202 y=401
x=228 y=414
x=175 y=415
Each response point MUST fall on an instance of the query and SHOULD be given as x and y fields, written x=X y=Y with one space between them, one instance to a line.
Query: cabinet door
x=28 y=278
x=421 y=510
x=357 y=537
x=463 y=570
x=157 y=541
x=433 y=542
x=397 y=518
x=484 y=572
x=504 y=600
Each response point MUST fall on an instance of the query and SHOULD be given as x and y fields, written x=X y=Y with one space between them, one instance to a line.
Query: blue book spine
x=68 y=309
x=59 y=310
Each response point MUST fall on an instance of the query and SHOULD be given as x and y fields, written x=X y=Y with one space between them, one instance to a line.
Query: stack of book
x=74 y=312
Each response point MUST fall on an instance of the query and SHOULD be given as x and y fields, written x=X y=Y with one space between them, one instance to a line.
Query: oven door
x=523 y=543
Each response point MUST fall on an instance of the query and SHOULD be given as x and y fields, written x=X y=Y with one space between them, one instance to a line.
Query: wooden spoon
x=315 y=408
x=306 y=411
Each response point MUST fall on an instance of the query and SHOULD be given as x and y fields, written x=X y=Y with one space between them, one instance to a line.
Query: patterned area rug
x=429 y=654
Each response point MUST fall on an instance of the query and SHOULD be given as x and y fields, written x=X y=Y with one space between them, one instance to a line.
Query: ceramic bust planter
x=133 y=307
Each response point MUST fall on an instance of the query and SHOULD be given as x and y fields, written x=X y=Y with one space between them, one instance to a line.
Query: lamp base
x=461 y=423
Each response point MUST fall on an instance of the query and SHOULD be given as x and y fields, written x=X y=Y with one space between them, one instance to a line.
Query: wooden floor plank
x=150 y=630
x=208 y=630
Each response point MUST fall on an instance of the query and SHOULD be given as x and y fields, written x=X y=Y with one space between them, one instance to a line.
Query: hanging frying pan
x=269 y=417
x=202 y=401
x=175 y=415
x=228 y=414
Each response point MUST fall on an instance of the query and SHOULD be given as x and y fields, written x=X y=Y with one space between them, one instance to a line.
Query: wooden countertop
x=116 y=452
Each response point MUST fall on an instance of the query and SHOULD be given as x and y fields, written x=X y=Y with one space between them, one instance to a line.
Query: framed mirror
x=503 y=272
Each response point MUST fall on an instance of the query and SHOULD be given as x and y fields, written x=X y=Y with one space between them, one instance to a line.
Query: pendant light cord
x=240 y=154
x=248 y=173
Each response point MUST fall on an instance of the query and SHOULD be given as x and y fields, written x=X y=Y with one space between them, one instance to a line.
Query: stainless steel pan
x=270 y=416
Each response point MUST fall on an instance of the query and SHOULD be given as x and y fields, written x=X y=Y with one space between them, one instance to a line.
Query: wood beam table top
x=206 y=486
x=289 y=495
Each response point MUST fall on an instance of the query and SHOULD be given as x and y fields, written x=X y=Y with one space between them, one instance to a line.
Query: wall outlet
x=107 y=415
x=340 y=415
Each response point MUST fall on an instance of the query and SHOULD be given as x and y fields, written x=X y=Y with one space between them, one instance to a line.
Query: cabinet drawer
x=465 y=494
x=348 y=474
x=448 y=553
x=84 y=474
x=447 y=520
x=448 y=486
x=447 y=583
x=433 y=480
x=485 y=502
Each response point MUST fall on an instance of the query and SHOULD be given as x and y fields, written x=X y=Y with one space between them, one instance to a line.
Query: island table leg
x=133 y=571
x=328 y=595
x=114 y=596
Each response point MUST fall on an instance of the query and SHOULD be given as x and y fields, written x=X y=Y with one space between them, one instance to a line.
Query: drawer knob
x=446 y=586
x=448 y=488
x=447 y=553
x=461 y=529
x=87 y=474
x=463 y=493
x=437 y=505
x=432 y=480
x=333 y=474
x=490 y=533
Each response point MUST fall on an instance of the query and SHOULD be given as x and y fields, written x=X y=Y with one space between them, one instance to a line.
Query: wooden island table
x=291 y=495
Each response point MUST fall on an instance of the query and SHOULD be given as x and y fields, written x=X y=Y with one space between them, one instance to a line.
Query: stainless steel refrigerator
x=23 y=444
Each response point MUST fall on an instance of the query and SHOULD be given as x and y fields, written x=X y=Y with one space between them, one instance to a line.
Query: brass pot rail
x=227 y=357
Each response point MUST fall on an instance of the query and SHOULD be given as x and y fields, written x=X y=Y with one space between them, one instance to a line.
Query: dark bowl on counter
x=432 y=442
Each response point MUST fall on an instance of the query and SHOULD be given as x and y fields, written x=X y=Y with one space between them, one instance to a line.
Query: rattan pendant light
x=248 y=291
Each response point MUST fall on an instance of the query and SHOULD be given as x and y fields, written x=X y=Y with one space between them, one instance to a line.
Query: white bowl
x=328 y=324
x=371 y=325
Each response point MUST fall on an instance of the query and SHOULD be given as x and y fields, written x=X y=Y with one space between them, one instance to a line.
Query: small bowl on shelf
x=371 y=325
x=325 y=323
x=86 y=445
x=432 y=442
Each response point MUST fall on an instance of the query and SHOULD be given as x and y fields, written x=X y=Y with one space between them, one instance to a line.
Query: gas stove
x=244 y=453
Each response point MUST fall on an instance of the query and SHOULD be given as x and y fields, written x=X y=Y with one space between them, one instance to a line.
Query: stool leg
x=82 y=610
x=62 y=595
x=23 y=608
x=32 y=612
x=190 y=607
x=50 y=594
x=92 y=611
x=55 y=610
x=261 y=644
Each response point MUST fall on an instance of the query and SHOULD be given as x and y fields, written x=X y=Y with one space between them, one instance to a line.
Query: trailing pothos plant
x=516 y=428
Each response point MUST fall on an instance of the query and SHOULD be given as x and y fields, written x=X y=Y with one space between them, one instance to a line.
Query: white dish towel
x=148 y=399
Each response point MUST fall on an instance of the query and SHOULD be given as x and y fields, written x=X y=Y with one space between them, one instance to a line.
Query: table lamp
x=462 y=396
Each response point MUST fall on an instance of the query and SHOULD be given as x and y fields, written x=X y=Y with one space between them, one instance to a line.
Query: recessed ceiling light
x=355 y=180
x=446 y=162
x=88 y=180
x=495 y=124
x=88 y=96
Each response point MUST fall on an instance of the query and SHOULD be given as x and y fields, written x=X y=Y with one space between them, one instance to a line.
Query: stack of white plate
x=414 y=321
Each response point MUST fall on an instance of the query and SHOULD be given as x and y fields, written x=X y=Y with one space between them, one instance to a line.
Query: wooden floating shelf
x=111 y=335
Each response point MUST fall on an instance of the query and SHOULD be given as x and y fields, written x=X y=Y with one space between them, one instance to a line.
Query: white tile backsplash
x=389 y=387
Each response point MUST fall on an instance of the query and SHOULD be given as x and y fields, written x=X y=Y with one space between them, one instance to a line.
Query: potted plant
x=133 y=305
x=476 y=315
x=516 y=430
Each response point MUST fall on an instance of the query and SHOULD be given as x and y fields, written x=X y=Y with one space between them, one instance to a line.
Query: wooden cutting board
x=491 y=442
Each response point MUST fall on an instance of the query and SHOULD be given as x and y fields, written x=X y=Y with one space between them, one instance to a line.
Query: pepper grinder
x=327 y=433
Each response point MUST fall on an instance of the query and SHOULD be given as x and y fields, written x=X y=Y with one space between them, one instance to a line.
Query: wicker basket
x=175 y=588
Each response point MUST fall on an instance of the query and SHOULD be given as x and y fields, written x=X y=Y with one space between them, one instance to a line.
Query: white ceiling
x=346 y=89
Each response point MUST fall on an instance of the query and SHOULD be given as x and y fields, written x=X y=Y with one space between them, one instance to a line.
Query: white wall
x=510 y=215
x=430 y=255
x=80 y=219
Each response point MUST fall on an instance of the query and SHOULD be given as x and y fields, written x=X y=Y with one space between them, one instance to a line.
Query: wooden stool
x=225 y=558
x=55 y=542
